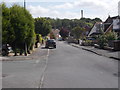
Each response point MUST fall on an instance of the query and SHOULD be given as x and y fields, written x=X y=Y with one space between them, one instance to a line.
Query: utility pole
x=25 y=41
x=24 y=4
x=119 y=8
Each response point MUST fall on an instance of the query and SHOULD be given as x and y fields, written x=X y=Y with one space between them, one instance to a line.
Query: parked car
x=50 y=43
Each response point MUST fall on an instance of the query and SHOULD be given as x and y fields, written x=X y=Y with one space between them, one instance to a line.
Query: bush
x=87 y=43
x=102 y=41
x=39 y=38
x=111 y=36
x=18 y=28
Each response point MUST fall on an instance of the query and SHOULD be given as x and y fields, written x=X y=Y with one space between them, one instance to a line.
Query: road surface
x=63 y=67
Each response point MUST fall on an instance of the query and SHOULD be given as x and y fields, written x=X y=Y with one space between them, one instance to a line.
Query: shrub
x=111 y=36
x=102 y=41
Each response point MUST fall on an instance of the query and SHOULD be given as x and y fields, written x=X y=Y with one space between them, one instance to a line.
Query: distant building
x=56 y=33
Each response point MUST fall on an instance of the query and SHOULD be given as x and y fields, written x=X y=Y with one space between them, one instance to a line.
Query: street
x=63 y=67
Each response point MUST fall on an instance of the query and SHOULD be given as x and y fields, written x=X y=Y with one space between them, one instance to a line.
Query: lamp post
x=24 y=4
x=25 y=40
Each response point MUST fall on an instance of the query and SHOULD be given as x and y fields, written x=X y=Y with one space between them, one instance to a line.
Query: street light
x=25 y=41
x=24 y=4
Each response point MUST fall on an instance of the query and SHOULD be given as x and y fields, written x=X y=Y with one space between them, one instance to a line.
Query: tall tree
x=78 y=32
x=23 y=27
x=42 y=26
x=64 y=33
x=18 y=28
x=7 y=32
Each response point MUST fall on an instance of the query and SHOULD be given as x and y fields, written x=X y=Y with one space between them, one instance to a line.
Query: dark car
x=50 y=43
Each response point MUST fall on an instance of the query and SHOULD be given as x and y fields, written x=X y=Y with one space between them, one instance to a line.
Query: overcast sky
x=69 y=8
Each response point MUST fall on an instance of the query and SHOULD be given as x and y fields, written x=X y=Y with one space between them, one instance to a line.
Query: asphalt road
x=63 y=67
x=24 y=72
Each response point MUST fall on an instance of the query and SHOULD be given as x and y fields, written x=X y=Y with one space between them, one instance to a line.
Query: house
x=96 y=29
x=56 y=33
x=111 y=24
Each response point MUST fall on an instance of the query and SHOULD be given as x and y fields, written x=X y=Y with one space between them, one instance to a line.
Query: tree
x=23 y=26
x=18 y=28
x=69 y=24
x=39 y=39
x=102 y=40
x=7 y=32
x=97 y=20
x=64 y=33
x=42 y=26
x=78 y=32
x=52 y=36
x=111 y=36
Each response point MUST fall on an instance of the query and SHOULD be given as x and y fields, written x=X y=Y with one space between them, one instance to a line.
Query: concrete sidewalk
x=106 y=53
x=37 y=53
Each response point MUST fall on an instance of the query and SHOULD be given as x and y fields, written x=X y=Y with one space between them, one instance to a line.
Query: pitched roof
x=109 y=28
x=110 y=19
x=108 y=24
x=94 y=29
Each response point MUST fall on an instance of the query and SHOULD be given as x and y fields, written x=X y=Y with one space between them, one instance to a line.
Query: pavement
x=37 y=52
x=107 y=53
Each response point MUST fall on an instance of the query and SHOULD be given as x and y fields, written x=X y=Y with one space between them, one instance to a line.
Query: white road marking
x=42 y=77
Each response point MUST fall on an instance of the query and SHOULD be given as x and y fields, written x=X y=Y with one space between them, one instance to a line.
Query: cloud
x=92 y=9
x=63 y=6
x=38 y=0
x=38 y=11
x=93 y=4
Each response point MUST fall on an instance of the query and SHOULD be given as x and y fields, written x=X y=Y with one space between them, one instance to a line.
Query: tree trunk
x=78 y=41
x=15 y=54
x=25 y=51
x=21 y=52
x=28 y=52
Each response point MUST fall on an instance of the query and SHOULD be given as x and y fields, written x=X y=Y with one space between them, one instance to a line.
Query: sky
x=69 y=9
